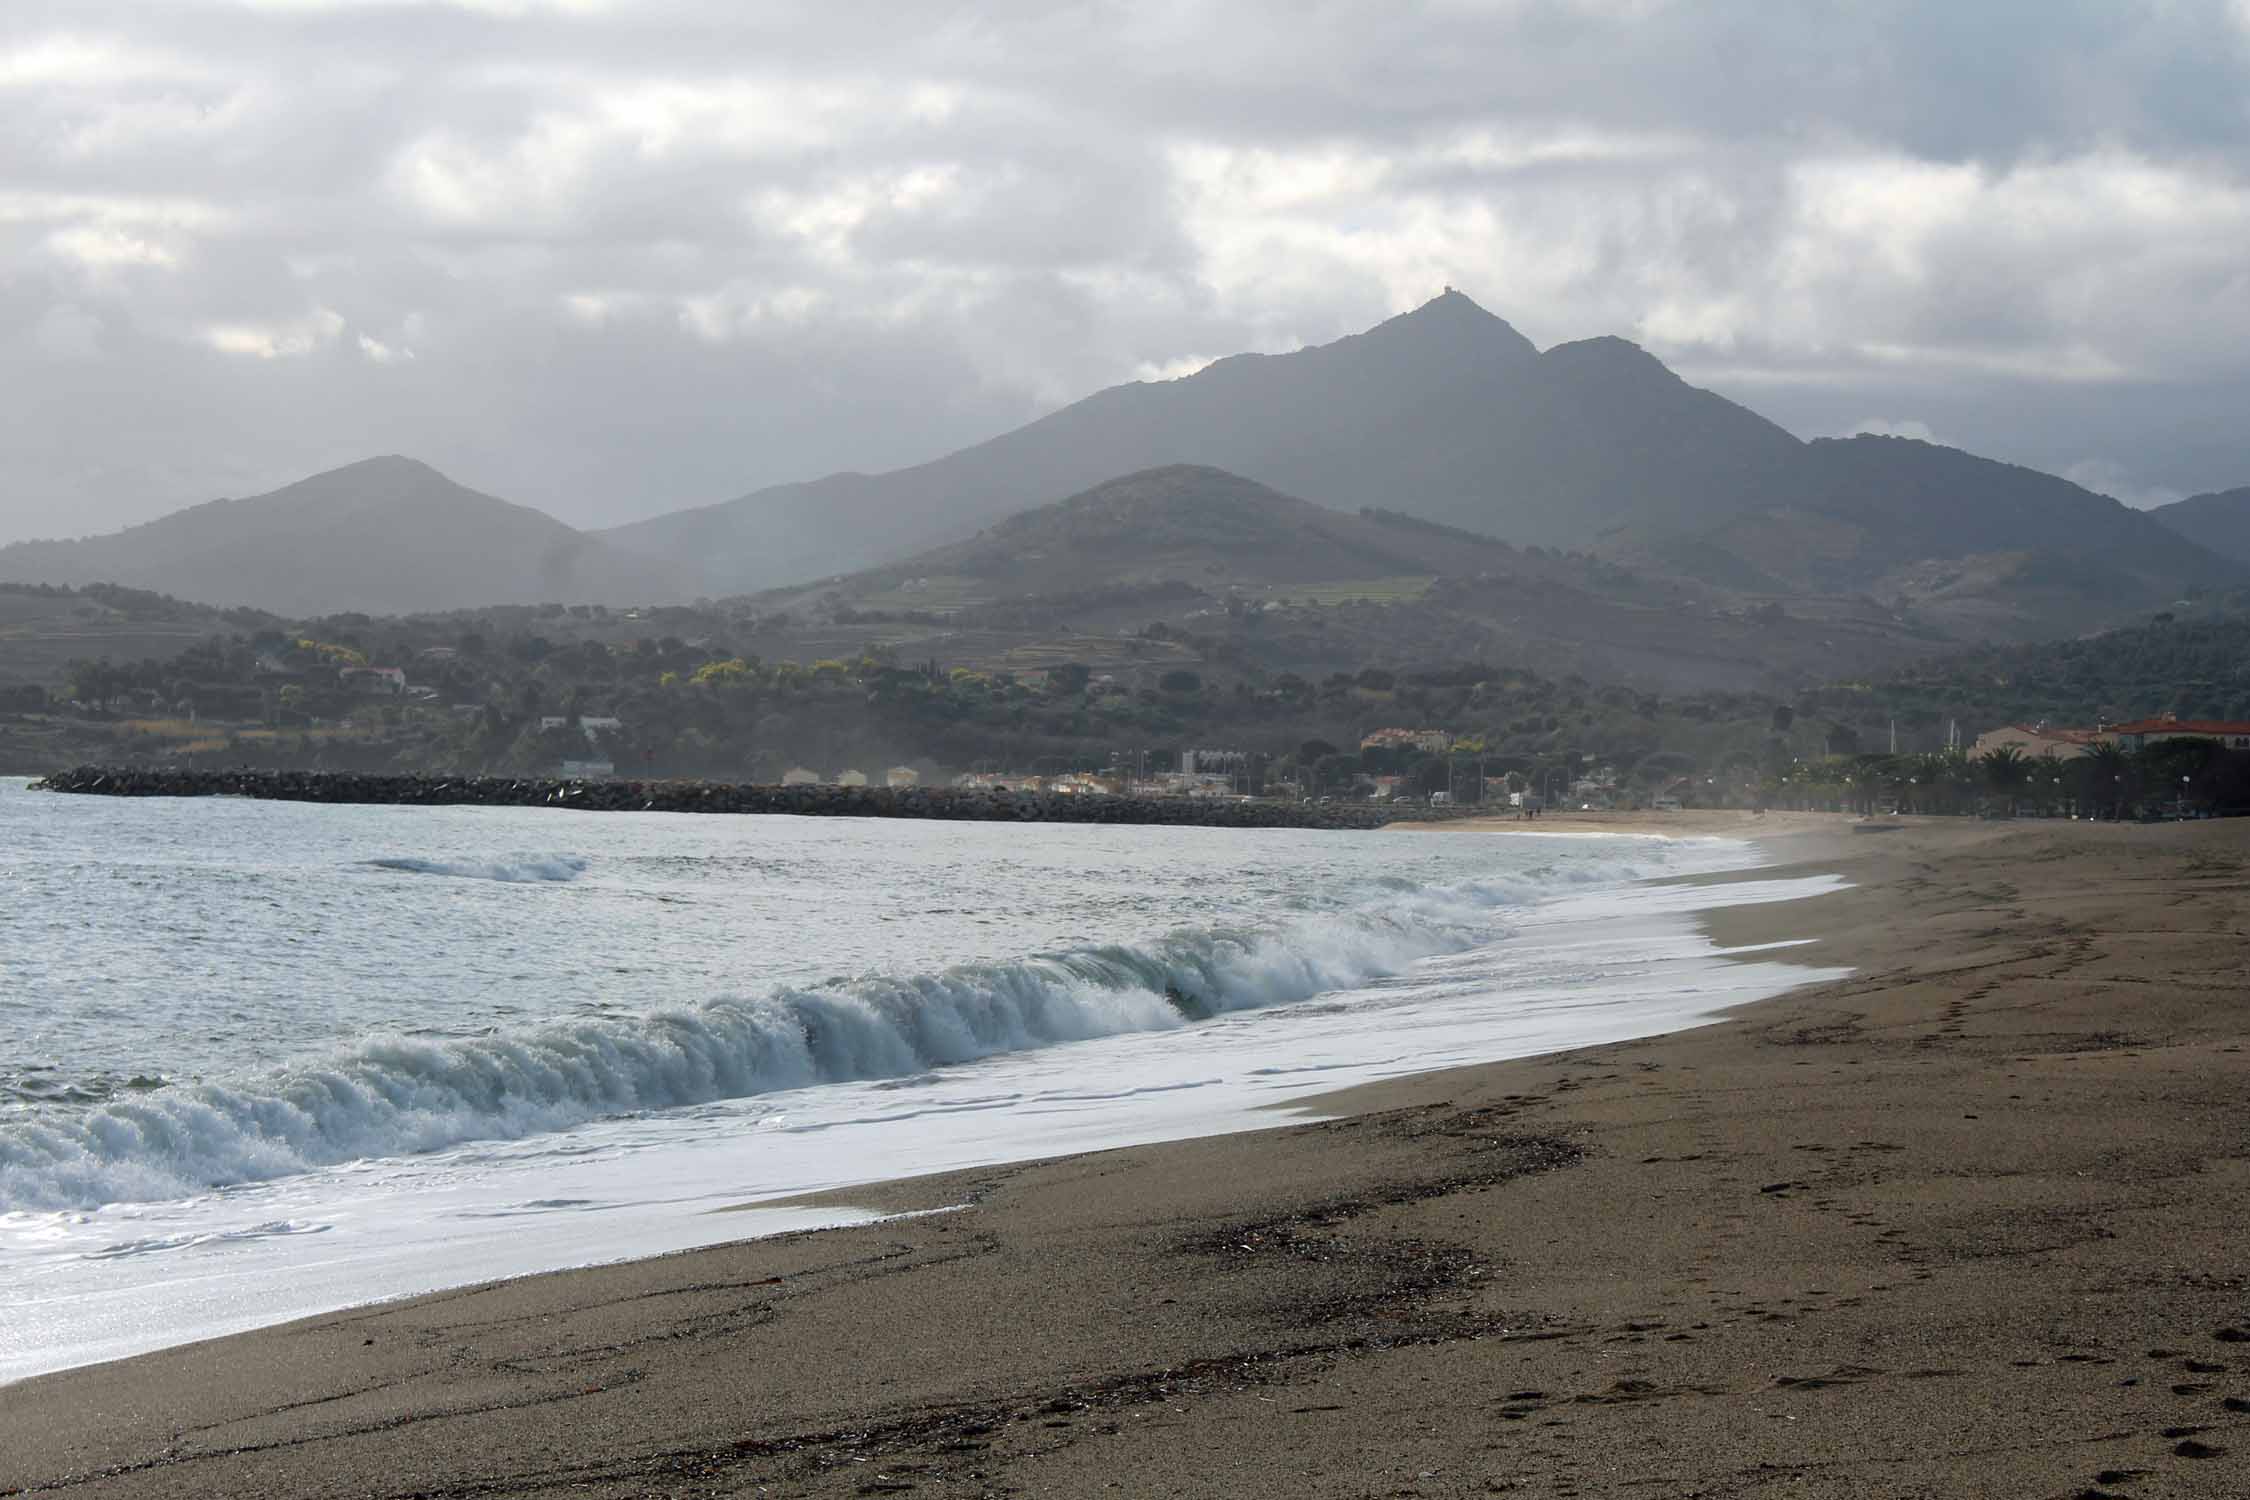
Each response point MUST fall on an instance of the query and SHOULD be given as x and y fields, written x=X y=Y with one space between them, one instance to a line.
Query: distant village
x=426 y=695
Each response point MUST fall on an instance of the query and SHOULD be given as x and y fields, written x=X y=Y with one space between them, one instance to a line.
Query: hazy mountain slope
x=1182 y=523
x=1980 y=548
x=385 y=536
x=1445 y=412
x=1238 y=574
x=2219 y=522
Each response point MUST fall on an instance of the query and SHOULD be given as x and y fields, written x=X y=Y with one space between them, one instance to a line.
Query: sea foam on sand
x=624 y=1179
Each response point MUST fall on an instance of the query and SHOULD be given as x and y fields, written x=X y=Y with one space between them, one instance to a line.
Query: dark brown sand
x=1973 y=1222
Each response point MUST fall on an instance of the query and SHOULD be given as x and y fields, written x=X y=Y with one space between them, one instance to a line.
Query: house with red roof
x=2141 y=733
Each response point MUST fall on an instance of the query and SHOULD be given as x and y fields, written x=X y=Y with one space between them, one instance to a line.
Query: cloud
x=68 y=332
x=381 y=353
x=612 y=258
x=1909 y=427
x=291 y=339
x=2108 y=477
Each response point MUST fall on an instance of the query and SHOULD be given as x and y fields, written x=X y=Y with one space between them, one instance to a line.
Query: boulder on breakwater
x=959 y=803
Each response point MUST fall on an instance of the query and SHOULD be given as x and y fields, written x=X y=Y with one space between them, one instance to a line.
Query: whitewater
x=260 y=1060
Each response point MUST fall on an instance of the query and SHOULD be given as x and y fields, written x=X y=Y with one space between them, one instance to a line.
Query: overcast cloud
x=611 y=257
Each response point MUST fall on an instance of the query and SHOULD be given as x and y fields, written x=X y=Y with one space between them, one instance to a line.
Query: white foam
x=556 y=867
x=398 y=1095
x=1595 y=966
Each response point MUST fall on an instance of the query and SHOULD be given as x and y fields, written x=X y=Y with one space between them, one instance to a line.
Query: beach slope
x=1970 y=1222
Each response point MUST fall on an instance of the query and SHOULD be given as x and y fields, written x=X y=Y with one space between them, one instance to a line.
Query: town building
x=799 y=776
x=900 y=777
x=851 y=778
x=391 y=680
x=2141 y=733
x=1432 y=741
x=999 y=781
x=2039 y=741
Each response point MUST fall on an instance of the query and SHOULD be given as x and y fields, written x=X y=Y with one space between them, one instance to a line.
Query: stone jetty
x=965 y=804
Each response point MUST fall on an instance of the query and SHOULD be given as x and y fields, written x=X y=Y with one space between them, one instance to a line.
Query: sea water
x=259 y=1059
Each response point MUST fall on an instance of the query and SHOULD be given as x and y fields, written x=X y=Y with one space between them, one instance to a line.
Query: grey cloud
x=614 y=258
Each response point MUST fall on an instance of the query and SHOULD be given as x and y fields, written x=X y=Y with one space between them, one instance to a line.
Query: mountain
x=1188 y=565
x=1445 y=412
x=1214 y=532
x=2219 y=522
x=1448 y=414
x=1985 y=550
x=384 y=536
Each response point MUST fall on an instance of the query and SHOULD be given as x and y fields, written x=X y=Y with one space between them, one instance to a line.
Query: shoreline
x=1186 y=1084
x=1963 y=1223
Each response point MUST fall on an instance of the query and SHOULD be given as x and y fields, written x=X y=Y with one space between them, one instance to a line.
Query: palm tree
x=2005 y=769
x=1959 y=776
x=1927 y=789
x=2104 y=770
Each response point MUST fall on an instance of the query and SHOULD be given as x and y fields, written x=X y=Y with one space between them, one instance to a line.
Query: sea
x=260 y=1060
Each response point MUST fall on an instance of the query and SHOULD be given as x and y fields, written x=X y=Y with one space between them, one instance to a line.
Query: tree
x=1180 y=681
x=2005 y=770
x=92 y=683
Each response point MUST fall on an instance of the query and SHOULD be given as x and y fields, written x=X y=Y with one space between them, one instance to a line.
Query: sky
x=615 y=257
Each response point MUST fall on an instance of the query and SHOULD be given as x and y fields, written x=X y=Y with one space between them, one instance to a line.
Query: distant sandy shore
x=1973 y=1222
x=1715 y=823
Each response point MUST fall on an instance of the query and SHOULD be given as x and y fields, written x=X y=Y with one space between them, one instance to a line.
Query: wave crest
x=519 y=871
x=397 y=1095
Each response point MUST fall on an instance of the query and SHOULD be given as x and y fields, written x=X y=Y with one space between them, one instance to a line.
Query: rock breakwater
x=963 y=804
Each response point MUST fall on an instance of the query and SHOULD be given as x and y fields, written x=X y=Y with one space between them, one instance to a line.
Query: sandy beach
x=1968 y=1223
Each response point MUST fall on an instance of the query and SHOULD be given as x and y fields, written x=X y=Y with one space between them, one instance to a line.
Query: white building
x=898 y=777
x=1433 y=741
x=390 y=680
x=851 y=778
x=2039 y=741
x=588 y=724
x=799 y=776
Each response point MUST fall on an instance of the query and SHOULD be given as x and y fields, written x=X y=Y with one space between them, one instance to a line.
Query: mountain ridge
x=2218 y=521
x=1445 y=413
x=1448 y=413
x=1416 y=412
x=384 y=535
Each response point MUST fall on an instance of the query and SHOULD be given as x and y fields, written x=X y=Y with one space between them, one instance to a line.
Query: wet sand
x=1975 y=1221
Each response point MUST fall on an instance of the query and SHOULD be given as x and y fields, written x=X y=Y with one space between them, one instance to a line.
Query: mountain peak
x=1606 y=350
x=382 y=466
x=1452 y=319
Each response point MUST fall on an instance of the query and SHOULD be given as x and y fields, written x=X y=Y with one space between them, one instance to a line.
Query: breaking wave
x=398 y=1095
x=520 y=871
